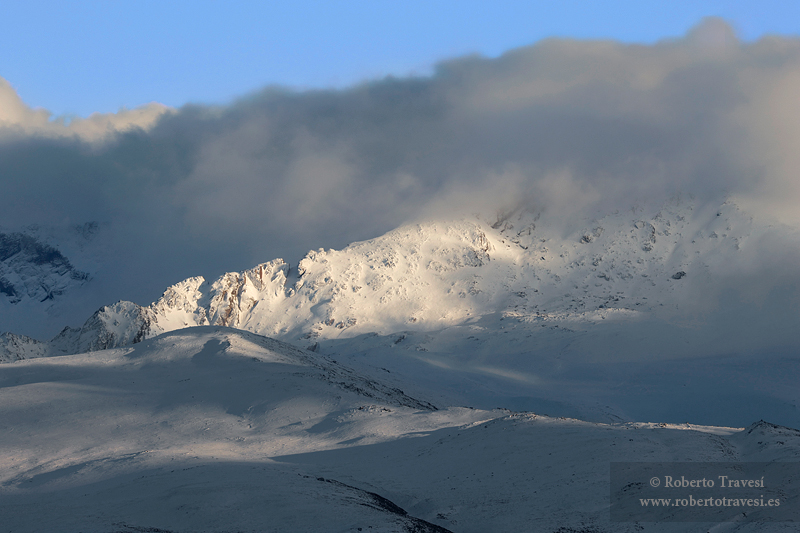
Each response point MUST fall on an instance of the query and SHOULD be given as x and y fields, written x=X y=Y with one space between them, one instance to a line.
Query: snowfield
x=215 y=429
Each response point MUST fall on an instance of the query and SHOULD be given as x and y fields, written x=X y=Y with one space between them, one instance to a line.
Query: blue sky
x=84 y=56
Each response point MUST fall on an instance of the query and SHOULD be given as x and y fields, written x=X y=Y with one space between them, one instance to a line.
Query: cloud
x=19 y=120
x=14 y=112
x=572 y=126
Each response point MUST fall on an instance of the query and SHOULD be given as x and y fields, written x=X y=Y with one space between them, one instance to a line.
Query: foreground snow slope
x=213 y=429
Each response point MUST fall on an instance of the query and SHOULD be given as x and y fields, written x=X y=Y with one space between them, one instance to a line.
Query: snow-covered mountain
x=49 y=274
x=32 y=269
x=604 y=319
x=669 y=265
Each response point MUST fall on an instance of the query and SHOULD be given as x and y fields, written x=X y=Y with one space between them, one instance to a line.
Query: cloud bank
x=573 y=127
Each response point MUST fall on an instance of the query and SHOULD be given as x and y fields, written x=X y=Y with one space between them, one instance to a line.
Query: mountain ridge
x=643 y=263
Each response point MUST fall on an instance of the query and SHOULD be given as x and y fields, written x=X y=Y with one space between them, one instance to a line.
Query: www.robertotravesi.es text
x=691 y=501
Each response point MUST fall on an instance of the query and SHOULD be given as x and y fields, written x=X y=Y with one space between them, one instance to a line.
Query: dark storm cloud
x=566 y=126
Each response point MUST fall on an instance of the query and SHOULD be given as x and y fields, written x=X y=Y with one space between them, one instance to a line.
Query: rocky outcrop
x=17 y=347
x=111 y=326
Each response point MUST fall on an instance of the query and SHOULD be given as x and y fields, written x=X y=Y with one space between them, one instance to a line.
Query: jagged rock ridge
x=432 y=275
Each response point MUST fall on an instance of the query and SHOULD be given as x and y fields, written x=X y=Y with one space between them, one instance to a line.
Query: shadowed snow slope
x=213 y=429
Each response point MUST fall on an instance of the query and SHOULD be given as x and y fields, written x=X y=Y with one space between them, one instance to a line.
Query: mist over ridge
x=574 y=129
